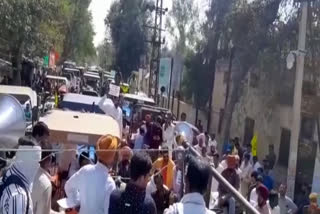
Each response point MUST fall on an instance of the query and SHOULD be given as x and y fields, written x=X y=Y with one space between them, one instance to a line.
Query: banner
x=164 y=75
x=254 y=145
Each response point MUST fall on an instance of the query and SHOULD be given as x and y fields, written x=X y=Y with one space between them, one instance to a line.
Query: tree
x=213 y=29
x=250 y=24
x=78 y=42
x=196 y=84
x=182 y=24
x=104 y=54
x=20 y=26
x=126 y=21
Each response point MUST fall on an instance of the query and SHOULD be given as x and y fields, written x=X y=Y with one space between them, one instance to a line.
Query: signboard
x=114 y=90
x=165 y=75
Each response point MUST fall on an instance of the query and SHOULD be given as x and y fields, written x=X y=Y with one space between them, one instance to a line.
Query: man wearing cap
x=91 y=186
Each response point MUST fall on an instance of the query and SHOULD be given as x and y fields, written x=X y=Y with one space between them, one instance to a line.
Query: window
x=284 y=147
x=248 y=130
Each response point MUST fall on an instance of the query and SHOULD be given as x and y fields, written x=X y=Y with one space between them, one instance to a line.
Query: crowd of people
x=146 y=172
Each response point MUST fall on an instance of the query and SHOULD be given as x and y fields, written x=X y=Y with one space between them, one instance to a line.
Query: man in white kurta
x=92 y=185
x=245 y=175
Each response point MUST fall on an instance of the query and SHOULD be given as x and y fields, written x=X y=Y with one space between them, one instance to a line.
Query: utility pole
x=156 y=48
x=295 y=128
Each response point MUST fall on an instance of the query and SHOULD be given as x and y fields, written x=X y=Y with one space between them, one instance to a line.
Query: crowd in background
x=148 y=171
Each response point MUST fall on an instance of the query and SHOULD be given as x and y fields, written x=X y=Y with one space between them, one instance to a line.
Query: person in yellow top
x=165 y=165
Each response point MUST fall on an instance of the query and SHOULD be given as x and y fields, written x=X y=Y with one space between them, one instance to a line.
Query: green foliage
x=127 y=20
x=196 y=83
x=78 y=43
x=182 y=23
x=21 y=24
x=105 y=54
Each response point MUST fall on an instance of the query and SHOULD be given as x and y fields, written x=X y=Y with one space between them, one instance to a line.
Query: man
x=271 y=157
x=162 y=195
x=125 y=156
x=213 y=144
x=84 y=159
x=205 y=156
x=42 y=188
x=256 y=164
x=214 y=183
x=165 y=165
x=196 y=182
x=134 y=200
x=238 y=148
x=92 y=185
x=268 y=180
x=274 y=202
x=199 y=126
x=183 y=117
x=201 y=138
x=245 y=175
x=40 y=132
x=257 y=181
x=18 y=179
x=285 y=203
x=112 y=107
x=231 y=175
x=168 y=132
x=248 y=150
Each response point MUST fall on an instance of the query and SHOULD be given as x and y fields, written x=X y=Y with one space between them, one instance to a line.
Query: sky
x=100 y=8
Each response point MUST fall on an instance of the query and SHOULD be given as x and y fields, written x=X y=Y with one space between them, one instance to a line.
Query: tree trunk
x=16 y=60
x=197 y=114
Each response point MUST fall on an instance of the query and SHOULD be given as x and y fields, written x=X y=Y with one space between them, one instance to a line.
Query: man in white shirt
x=168 y=132
x=42 y=187
x=245 y=175
x=214 y=183
x=112 y=108
x=196 y=182
x=285 y=203
x=256 y=164
x=92 y=185
x=201 y=138
x=213 y=144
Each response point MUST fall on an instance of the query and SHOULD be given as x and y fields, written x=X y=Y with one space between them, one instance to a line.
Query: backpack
x=13 y=179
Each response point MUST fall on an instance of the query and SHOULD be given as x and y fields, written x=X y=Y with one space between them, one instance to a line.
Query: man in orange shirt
x=165 y=165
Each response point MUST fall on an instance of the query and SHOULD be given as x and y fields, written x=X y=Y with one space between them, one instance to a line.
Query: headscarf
x=27 y=162
x=107 y=142
x=263 y=192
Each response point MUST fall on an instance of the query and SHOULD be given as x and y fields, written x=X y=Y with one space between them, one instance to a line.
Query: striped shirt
x=14 y=198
